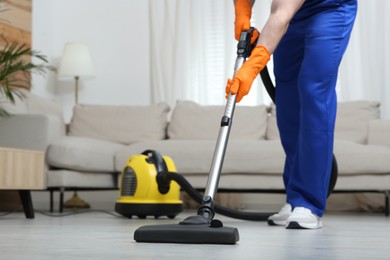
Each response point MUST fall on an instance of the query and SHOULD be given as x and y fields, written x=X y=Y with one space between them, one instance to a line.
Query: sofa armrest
x=379 y=132
x=30 y=131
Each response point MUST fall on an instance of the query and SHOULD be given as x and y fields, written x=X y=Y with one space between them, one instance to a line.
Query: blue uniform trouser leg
x=306 y=64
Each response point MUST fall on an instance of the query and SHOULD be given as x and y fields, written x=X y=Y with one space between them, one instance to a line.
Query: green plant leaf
x=15 y=68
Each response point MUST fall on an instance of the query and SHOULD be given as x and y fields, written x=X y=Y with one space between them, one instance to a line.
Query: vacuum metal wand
x=207 y=208
x=223 y=137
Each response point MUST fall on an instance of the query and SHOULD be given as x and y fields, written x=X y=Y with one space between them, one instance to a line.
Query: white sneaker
x=303 y=218
x=280 y=218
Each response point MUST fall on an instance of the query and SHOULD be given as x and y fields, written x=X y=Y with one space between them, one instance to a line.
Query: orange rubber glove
x=243 y=13
x=242 y=81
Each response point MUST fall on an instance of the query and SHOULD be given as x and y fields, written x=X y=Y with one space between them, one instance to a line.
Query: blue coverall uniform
x=306 y=65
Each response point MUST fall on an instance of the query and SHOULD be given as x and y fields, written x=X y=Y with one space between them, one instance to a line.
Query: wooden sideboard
x=22 y=170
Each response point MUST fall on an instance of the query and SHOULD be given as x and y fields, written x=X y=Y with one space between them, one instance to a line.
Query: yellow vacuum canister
x=140 y=194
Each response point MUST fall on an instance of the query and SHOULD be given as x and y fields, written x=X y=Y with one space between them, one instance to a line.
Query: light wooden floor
x=102 y=236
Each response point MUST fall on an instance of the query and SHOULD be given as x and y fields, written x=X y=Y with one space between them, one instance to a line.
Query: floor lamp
x=76 y=63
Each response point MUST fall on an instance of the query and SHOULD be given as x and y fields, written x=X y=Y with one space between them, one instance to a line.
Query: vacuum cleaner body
x=139 y=192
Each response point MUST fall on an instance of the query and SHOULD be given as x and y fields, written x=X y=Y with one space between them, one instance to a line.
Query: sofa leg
x=62 y=190
x=51 y=201
x=386 y=203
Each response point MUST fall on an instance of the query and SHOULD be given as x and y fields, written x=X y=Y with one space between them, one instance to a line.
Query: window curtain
x=365 y=69
x=191 y=43
x=193 y=52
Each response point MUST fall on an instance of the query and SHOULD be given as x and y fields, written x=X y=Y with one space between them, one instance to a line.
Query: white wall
x=118 y=37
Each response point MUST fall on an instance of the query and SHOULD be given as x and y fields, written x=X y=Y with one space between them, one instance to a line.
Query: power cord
x=50 y=214
x=66 y=214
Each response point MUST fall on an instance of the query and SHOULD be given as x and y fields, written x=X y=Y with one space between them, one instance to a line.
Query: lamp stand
x=76 y=89
x=76 y=201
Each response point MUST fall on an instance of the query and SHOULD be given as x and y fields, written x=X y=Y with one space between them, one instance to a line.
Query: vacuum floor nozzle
x=187 y=234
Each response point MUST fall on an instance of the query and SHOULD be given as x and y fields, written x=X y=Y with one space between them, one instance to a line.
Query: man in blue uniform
x=308 y=39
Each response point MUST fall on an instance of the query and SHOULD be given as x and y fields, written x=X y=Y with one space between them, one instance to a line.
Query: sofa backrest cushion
x=193 y=121
x=121 y=124
x=37 y=105
x=351 y=121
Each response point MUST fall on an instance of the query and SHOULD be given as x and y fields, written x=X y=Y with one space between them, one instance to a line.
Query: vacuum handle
x=244 y=50
x=244 y=46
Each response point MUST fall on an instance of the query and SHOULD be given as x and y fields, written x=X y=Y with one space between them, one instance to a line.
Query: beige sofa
x=100 y=139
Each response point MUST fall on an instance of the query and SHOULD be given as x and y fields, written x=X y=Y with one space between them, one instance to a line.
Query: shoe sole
x=296 y=225
x=276 y=223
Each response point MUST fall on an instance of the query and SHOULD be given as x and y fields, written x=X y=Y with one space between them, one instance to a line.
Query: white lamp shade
x=76 y=61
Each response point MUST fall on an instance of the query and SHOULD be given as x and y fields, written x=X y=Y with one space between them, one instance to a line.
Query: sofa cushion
x=351 y=121
x=259 y=164
x=72 y=178
x=257 y=157
x=122 y=124
x=379 y=132
x=193 y=121
x=83 y=154
x=195 y=156
x=360 y=159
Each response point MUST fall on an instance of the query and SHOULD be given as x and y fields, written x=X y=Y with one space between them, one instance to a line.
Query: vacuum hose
x=195 y=195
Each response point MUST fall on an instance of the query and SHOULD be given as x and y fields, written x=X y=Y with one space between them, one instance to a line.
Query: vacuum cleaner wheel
x=144 y=210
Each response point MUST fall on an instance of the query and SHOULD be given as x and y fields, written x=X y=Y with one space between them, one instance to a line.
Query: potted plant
x=16 y=66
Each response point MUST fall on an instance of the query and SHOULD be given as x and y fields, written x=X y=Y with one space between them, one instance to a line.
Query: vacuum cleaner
x=142 y=193
x=151 y=187
x=201 y=228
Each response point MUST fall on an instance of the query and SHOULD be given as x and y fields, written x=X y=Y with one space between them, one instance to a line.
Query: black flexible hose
x=195 y=195
x=269 y=86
